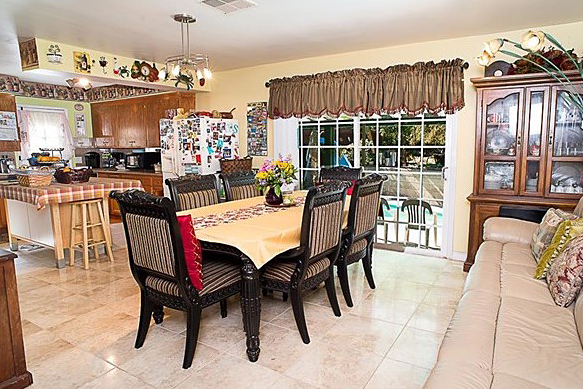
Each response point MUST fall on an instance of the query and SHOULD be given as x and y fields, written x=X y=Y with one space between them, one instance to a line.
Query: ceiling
x=273 y=31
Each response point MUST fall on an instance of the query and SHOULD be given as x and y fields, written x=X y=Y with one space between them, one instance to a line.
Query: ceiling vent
x=229 y=6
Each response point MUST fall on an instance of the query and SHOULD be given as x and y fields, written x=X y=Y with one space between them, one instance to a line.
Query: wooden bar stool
x=92 y=221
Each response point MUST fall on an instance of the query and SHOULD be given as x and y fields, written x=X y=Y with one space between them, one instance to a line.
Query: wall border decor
x=257 y=129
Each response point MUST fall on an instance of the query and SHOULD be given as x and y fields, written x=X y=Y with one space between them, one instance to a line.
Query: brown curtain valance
x=412 y=89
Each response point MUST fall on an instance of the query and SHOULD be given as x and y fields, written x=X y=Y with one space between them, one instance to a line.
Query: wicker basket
x=73 y=176
x=34 y=178
x=229 y=166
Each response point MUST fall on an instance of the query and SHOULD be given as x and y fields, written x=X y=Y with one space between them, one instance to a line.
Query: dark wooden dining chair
x=358 y=237
x=340 y=173
x=313 y=261
x=416 y=218
x=239 y=186
x=230 y=166
x=157 y=263
x=193 y=191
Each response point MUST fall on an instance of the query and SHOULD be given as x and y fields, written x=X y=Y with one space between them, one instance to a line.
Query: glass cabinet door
x=502 y=117
x=566 y=145
x=501 y=137
x=532 y=144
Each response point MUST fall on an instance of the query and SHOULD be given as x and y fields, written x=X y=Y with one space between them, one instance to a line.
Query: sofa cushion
x=489 y=251
x=505 y=381
x=578 y=313
x=517 y=281
x=539 y=343
x=565 y=276
x=543 y=235
x=506 y=230
x=483 y=277
x=518 y=254
x=458 y=375
x=566 y=232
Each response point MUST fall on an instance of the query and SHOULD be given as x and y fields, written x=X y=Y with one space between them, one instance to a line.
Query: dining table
x=254 y=232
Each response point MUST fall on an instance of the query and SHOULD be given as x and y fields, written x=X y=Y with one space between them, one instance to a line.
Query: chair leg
x=367 y=265
x=146 y=308
x=284 y=296
x=298 y=309
x=73 y=237
x=85 y=238
x=426 y=238
x=158 y=314
x=343 y=276
x=192 y=326
x=223 y=304
x=331 y=291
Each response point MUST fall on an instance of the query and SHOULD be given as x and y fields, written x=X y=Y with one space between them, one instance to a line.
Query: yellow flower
x=261 y=175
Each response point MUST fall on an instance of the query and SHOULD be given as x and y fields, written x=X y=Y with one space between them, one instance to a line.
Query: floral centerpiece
x=274 y=177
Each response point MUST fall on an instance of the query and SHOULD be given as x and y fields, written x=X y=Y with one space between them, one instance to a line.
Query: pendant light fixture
x=186 y=64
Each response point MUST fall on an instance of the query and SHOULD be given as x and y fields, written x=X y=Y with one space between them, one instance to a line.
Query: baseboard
x=459 y=256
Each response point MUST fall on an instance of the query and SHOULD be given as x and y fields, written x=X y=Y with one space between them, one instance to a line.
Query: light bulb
x=176 y=70
x=199 y=74
x=484 y=58
x=207 y=73
x=83 y=82
x=493 y=45
x=162 y=74
x=533 y=41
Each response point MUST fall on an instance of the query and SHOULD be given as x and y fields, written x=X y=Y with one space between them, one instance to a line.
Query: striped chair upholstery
x=244 y=192
x=357 y=246
x=215 y=275
x=201 y=198
x=325 y=226
x=366 y=213
x=283 y=270
x=150 y=242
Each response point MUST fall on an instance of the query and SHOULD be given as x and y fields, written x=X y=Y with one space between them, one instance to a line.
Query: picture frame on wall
x=257 y=129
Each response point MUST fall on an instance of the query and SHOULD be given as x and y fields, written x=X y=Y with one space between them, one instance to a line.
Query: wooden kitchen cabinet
x=135 y=122
x=152 y=183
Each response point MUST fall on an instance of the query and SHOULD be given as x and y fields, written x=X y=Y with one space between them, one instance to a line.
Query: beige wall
x=236 y=88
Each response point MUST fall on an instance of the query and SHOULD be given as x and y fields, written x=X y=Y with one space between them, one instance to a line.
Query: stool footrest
x=90 y=243
x=88 y=226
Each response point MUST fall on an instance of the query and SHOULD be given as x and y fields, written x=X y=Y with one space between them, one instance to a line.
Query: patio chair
x=416 y=219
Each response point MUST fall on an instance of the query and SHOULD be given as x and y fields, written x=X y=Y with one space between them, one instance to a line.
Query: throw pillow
x=349 y=190
x=565 y=276
x=543 y=235
x=192 y=251
x=566 y=231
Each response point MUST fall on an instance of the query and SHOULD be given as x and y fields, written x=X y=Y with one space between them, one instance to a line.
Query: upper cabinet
x=134 y=122
x=529 y=140
x=8 y=103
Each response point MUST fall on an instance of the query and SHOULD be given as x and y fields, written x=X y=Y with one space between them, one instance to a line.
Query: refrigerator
x=195 y=146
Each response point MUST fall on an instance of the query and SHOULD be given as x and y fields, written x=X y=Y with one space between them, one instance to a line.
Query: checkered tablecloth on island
x=66 y=193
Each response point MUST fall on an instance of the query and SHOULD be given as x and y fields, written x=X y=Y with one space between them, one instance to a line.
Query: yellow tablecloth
x=262 y=237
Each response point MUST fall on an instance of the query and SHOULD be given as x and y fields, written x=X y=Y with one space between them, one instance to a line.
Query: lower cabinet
x=152 y=183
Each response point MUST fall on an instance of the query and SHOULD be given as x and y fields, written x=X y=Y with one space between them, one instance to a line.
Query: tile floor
x=80 y=326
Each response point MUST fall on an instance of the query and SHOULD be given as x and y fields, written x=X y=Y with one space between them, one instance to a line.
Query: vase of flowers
x=273 y=176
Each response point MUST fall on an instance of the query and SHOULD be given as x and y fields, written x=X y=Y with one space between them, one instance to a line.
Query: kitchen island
x=43 y=215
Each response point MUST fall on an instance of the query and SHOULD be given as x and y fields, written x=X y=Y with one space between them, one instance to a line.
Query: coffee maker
x=93 y=160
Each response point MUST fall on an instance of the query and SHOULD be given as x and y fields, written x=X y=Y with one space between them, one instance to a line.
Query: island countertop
x=96 y=187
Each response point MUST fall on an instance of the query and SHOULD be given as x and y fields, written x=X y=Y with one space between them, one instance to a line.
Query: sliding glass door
x=410 y=150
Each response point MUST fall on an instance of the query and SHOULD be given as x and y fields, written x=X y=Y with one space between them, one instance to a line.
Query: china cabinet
x=529 y=148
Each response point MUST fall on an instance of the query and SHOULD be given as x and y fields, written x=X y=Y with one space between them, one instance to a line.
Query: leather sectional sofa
x=507 y=331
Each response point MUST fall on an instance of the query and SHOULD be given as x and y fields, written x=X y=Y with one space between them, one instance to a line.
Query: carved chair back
x=230 y=166
x=364 y=205
x=193 y=191
x=322 y=224
x=340 y=173
x=153 y=239
x=239 y=186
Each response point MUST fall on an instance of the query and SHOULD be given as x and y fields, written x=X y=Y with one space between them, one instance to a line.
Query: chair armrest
x=508 y=230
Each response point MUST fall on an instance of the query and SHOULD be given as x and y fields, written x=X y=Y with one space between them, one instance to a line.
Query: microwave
x=145 y=160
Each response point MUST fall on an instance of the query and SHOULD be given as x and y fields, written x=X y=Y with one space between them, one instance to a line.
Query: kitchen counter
x=132 y=172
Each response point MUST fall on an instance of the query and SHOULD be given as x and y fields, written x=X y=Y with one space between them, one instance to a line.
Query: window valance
x=411 y=89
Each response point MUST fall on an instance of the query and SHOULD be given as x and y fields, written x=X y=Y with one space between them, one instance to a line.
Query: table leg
x=57 y=235
x=251 y=306
x=13 y=241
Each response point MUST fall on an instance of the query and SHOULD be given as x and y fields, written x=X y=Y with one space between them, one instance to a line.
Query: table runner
x=260 y=237
x=66 y=193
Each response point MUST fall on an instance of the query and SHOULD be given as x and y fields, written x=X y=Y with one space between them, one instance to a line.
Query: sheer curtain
x=46 y=129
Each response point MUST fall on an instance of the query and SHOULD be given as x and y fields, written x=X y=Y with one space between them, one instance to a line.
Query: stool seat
x=90 y=211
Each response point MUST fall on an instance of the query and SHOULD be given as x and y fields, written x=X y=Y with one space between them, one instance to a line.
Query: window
x=410 y=150
x=44 y=128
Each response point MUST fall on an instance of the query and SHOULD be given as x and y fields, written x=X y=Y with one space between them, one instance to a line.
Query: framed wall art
x=257 y=128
